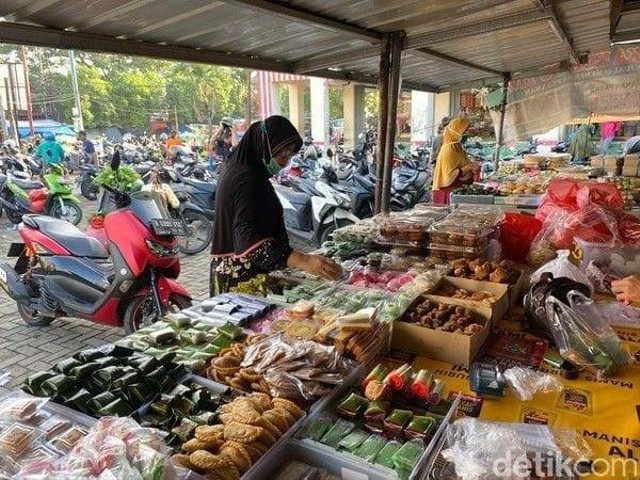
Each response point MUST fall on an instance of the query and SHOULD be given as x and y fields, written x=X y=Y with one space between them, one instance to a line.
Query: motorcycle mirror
x=329 y=153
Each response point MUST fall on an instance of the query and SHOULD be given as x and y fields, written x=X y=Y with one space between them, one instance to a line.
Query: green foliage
x=125 y=179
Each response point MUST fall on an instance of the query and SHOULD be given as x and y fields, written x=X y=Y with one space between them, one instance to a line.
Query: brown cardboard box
x=630 y=166
x=444 y=346
x=597 y=161
x=610 y=161
x=498 y=290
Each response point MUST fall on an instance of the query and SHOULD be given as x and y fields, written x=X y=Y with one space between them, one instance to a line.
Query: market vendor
x=249 y=232
x=453 y=168
x=627 y=289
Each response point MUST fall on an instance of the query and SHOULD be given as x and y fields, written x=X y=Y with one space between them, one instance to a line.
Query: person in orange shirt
x=173 y=140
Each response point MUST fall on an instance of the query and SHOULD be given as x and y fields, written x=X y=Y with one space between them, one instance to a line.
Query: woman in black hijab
x=249 y=232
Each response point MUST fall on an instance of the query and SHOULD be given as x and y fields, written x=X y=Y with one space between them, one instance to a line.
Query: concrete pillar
x=320 y=112
x=354 y=118
x=296 y=105
x=442 y=107
x=422 y=120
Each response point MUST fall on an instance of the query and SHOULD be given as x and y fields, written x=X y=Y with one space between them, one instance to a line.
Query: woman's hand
x=315 y=265
x=627 y=289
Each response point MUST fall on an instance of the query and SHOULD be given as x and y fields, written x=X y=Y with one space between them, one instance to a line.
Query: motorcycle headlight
x=160 y=250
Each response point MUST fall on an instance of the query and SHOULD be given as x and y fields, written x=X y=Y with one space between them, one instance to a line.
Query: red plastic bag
x=517 y=232
x=561 y=193
x=605 y=195
x=629 y=230
x=38 y=199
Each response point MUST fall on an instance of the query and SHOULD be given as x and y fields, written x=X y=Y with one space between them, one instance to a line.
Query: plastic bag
x=618 y=314
x=562 y=267
x=489 y=450
x=584 y=337
x=526 y=382
x=517 y=232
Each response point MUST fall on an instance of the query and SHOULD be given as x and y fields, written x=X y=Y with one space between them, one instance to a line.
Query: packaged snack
x=385 y=456
x=17 y=438
x=400 y=377
x=422 y=384
x=379 y=373
x=54 y=426
x=375 y=413
x=353 y=440
x=337 y=432
x=351 y=406
x=41 y=453
x=370 y=448
x=20 y=406
x=316 y=428
x=396 y=421
x=377 y=391
x=57 y=385
x=67 y=440
x=408 y=455
x=420 y=427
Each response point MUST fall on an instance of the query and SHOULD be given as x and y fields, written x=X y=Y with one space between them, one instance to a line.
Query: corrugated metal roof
x=474 y=31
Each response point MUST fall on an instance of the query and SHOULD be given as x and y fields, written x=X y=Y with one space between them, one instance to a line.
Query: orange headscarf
x=452 y=156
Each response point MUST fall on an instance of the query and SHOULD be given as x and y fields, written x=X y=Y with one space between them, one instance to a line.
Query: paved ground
x=24 y=349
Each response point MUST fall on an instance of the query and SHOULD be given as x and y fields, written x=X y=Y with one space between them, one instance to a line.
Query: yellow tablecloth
x=606 y=412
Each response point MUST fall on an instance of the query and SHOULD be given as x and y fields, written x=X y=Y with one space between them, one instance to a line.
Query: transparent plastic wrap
x=489 y=450
x=526 y=382
x=561 y=266
x=584 y=337
x=620 y=315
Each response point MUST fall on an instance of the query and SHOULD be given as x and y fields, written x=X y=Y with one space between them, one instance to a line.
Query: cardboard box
x=611 y=161
x=597 y=161
x=444 y=346
x=498 y=290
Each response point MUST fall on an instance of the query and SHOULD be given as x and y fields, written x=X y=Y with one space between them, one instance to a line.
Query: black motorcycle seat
x=28 y=184
x=200 y=185
x=69 y=236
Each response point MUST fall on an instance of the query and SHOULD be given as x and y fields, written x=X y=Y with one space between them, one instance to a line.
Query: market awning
x=44 y=126
x=447 y=43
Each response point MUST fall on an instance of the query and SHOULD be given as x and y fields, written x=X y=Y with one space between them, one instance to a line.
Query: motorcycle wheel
x=89 y=190
x=329 y=229
x=134 y=314
x=72 y=215
x=33 y=320
x=200 y=233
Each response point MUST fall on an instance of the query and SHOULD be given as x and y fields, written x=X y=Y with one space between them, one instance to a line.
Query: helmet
x=227 y=122
x=49 y=137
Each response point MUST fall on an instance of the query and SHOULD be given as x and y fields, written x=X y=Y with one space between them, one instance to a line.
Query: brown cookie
x=208 y=433
x=184 y=461
x=277 y=419
x=289 y=406
x=238 y=455
x=242 y=433
x=207 y=460
x=263 y=400
x=195 y=444
x=254 y=452
x=290 y=419
x=270 y=427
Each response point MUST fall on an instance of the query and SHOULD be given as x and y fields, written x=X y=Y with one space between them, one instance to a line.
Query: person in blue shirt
x=49 y=150
x=88 y=148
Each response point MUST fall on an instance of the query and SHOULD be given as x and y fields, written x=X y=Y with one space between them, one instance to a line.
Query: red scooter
x=62 y=272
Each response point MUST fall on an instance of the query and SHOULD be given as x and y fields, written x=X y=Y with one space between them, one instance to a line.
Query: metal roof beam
x=427 y=40
x=628 y=36
x=629 y=5
x=370 y=80
x=615 y=13
x=309 y=17
x=114 y=13
x=427 y=52
x=22 y=34
x=31 y=9
x=558 y=28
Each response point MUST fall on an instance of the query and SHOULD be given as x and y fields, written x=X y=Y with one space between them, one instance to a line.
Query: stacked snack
x=445 y=318
x=300 y=370
x=477 y=269
x=106 y=382
x=387 y=421
x=411 y=227
x=247 y=428
x=462 y=234
x=32 y=432
x=235 y=308
x=193 y=342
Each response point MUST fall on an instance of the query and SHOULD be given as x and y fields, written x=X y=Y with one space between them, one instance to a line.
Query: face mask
x=273 y=167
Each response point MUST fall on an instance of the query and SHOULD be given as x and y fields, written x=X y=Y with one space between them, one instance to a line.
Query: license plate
x=168 y=227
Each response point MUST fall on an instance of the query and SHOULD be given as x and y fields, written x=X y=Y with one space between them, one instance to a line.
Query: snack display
x=495 y=272
x=448 y=290
x=300 y=370
x=191 y=341
x=114 y=381
x=445 y=318
x=382 y=422
x=410 y=227
x=246 y=428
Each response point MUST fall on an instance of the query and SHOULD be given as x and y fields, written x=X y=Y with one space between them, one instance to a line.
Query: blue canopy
x=43 y=126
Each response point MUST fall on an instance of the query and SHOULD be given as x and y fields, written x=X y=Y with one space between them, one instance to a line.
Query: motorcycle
x=61 y=272
x=84 y=182
x=313 y=209
x=410 y=184
x=20 y=195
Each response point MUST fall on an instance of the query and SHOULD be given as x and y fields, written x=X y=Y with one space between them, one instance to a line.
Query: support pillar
x=320 y=112
x=422 y=119
x=383 y=94
x=296 y=105
x=354 y=121
x=500 y=136
x=397 y=40
x=275 y=99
